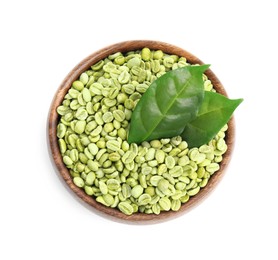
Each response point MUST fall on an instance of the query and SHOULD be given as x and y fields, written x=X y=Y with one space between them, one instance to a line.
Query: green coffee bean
x=134 y=62
x=68 y=117
x=155 y=66
x=205 y=149
x=146 y=170
x=100 y=153
x=203 y=183
x=137 y=191
x=176 y=171
x=83 y=158
x=121 y=98
x=146 y=54
x=150 y=190
x=207 y=85
x=193 y=175
x=78 y=85
x=124 y=77
x=67 y=160
x=184 y=160
x=180 y=185
x=150 y=155
x=107 y=117
x=170 y=162
x=84 y=78
x=117 y=125
x=184 y=198
x=193 y=191
x=92 y=165
x=168 y=62
x=126 y=190
x=83 y=175
x=182 y=63
x=161 y=169
x=141 y=88
x=119 y=115
x=120 y=60
x=85 y=141
x=98 y=65
x=217 y=159
x=128 y=88
x=129 y=104
x=74 y=155
x=154 y=180
x=101 y=200
x=125 y=207
x=130 y=166
x=159 y=193
x=113 y=145
x=108 y=128
x=135 y=96
x=109 y=102
x=74 y=105
x=164 y=203
x=86 y=94
x=163 y=185
x=187 y=169
x=90 y=126
x=144 y=199
x=62 y=110
x=134 y=148
x=142 y=180
x=152 y=163
x=61 y=130
x=205 y=162
x=114 y=157
x=210 y=156
x=90 y=178
x=62 y=145
x=113 y=93
x=174 y=152
x=156 y=209
x=80 y=100
x=109 y=199
x=81 y=114
x=103 y=187
x=128 y=157
x=113 y=184
x=158 y=55
x=170 y=178
x=102 y=159
x=190 y=185
x=89 y=190
x=78 y=182
x=80 y=126
x=221 y=145
x=213 y=167
x=96 y=131
x=93 y=148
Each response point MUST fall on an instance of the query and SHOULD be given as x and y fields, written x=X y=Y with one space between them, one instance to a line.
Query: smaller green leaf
x=214 y=113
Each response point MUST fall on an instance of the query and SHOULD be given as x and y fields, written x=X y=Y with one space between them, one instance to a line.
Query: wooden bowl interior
x=54 y=117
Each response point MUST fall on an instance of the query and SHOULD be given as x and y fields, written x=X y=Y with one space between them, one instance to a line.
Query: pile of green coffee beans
x=92 y=132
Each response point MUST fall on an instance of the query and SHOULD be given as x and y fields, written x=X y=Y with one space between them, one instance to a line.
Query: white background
x=41 y=41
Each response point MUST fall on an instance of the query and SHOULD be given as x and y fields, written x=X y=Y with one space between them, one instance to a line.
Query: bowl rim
x=56 y=156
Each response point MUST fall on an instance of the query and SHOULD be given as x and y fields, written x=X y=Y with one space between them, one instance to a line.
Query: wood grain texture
x=139 y=218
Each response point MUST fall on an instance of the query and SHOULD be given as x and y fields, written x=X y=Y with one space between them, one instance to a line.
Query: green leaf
x=170 y=102
x=214 y=113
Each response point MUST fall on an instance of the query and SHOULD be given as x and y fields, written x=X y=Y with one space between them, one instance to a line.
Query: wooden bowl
x=54 y=117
